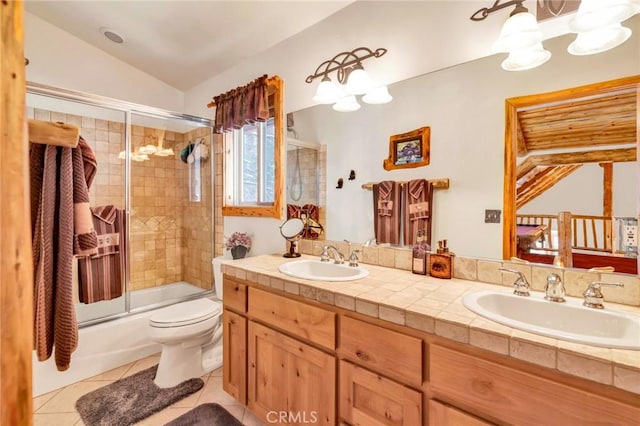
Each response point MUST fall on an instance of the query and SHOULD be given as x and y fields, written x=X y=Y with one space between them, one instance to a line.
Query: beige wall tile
x=326 y=297
x=536 y=354
x=489 y=341
x=396 y=316
x=488 y=272
x=345 y=302
x=465 y=268
x=292 y=288
x=403 y=259
x=420 y=322
x=576 y=281
x=367 y=308
x=539 y=276
x=386 y=257
x=449 y=330
x=371 y=255
x=587 y=368
x=629 y=294
x=626 y=379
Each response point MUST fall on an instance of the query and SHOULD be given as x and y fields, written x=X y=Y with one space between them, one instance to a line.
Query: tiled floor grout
x=57 y=408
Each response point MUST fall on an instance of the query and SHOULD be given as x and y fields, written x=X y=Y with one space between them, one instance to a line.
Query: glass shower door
x=104 y=131
x=171 y=226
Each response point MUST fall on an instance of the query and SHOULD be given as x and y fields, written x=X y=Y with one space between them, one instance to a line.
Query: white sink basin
x=322 y=271
x=567 y=321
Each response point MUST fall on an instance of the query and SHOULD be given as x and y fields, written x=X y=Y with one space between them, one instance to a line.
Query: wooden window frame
x=275 y=210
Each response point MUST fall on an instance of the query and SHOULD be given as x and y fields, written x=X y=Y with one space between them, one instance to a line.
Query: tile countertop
x=435 y=306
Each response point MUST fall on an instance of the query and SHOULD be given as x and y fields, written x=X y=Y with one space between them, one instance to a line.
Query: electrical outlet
x=492 y=216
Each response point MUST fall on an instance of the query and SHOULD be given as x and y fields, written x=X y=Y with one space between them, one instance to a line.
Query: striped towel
x=102 y=274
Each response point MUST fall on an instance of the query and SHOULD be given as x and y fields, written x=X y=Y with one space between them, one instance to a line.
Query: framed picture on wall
x=408 y=150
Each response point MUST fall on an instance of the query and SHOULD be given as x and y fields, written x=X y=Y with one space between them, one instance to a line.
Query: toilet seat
x=186 y=313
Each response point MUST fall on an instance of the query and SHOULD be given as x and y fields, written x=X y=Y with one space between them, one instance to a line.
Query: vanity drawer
x=234 y=295
x=385 y=351
x=368 y=399
x=308 y=322
x=515 y=397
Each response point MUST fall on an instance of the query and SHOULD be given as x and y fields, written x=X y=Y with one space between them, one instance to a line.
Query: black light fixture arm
x=481 y=14
x=342 y=61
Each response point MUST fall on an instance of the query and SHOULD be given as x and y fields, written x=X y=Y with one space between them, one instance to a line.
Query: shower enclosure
x=156 y=166
x=306 y=180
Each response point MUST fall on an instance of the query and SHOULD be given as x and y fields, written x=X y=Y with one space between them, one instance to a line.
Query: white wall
x=60 y=59
x=464 y=106
x=419 y=36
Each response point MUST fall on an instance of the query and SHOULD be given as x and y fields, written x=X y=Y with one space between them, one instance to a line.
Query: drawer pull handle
x=362 y=355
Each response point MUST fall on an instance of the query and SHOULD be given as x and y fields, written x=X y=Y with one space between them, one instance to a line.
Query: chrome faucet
x=327 y=251
x=520 y=285
x=593 y=297
x=353 y=258
x=554 y=290
x=371 y=242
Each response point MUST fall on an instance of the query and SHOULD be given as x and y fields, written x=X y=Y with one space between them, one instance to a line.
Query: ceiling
x=593 y=129
x=184 y=42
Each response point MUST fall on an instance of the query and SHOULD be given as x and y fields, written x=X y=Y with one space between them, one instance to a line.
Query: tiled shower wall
x=170 y=236
x=197 y=251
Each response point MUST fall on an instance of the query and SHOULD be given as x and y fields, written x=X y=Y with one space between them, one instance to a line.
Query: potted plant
x=239 y=243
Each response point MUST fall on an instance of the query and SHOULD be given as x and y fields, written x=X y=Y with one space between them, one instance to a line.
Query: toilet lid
x=186 y=313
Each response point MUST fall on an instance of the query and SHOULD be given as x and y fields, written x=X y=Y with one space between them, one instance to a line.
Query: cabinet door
x=289 y=382
x=444 y=415
x=234 y=355
x=367 y=399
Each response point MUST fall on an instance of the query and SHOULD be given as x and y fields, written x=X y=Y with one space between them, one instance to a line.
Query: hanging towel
x=60 y=180
x=101 y=276
x=386 y=211
x=418 y=201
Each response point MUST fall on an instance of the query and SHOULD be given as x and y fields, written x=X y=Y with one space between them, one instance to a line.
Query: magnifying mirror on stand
x=292 y=230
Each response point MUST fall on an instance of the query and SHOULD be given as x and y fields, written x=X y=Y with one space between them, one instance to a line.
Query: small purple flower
x=239 y=239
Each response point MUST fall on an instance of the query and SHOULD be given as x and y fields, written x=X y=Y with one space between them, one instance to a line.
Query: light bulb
x=377 y=95
x=599 y=40
x=347 y=104
x=526 y=59
x=358 y=82
x=327 y=92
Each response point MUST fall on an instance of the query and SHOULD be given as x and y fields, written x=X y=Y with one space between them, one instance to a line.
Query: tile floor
x=57 y=408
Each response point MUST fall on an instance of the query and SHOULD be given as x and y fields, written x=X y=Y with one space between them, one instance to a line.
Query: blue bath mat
x=131 y=399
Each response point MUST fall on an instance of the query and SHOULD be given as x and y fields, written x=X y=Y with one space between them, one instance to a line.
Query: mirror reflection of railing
x=580 y=122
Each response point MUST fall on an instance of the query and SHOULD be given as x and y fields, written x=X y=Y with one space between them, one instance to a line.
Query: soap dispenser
x=420 y=249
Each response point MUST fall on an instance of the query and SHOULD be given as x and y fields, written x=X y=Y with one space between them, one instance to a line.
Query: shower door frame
x=129 y=108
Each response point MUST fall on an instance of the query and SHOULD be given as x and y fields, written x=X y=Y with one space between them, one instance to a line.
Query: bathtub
x=103 y=347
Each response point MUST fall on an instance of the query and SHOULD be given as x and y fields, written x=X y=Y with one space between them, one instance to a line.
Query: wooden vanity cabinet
x=234 y=340
x=291 y=362
x=444 y=415
x=234 y=355
x=511 y=396
x=323 y=365
x=368 y=399
x=290 y=377
x=376 y=384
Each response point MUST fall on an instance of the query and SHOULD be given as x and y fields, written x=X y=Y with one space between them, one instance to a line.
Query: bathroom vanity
x=363 y=353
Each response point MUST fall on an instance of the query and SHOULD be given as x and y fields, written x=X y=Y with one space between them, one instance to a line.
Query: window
x=252 y=165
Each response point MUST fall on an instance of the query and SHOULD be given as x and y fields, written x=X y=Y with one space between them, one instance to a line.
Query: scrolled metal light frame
x=342 y=61
x=481 y=14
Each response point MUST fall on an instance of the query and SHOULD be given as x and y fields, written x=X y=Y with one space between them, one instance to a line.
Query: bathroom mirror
x=465 y=108
x=558 y=144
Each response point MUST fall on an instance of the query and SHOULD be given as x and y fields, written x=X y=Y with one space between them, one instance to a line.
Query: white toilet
x=191 y=337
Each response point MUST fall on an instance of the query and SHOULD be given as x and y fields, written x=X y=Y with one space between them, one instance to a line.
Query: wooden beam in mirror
x=580 y=123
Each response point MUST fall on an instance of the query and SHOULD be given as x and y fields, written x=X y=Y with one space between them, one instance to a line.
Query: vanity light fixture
x=148 y=148
x=599 y=25
x=350 y=80
x=597 y=22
